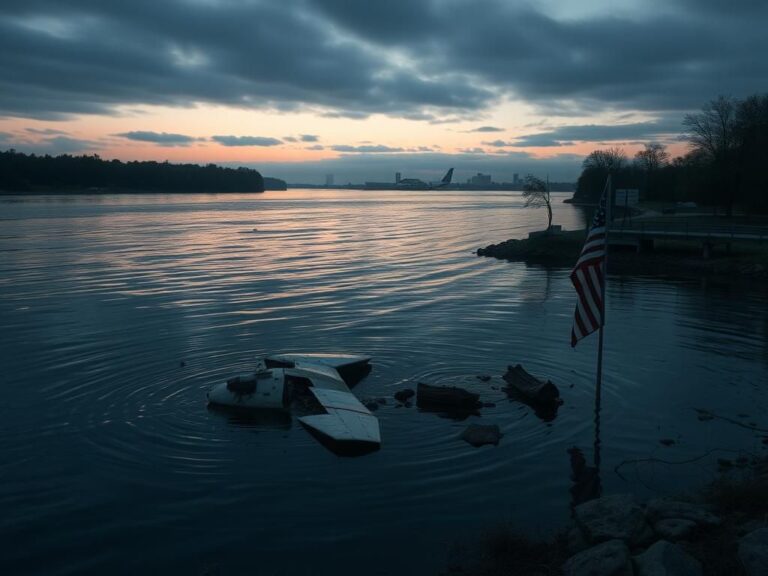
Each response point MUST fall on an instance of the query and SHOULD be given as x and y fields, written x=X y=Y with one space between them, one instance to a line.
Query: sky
x=362 y=89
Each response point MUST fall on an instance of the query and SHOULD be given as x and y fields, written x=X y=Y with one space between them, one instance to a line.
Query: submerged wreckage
x=316 y=386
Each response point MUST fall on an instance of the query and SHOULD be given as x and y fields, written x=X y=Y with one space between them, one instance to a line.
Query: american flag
x=588 y=277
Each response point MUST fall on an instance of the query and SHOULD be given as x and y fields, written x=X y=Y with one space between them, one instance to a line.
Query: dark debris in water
x=403 y=396
x=704 y=415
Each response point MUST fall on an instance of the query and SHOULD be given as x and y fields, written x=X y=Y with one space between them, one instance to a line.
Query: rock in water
x=662 y=508
x=445 y=397
x=479 y=434
x=615 y=517
x=531 y=388
x=666 y=559
x=674 y=529
x=404 y=395
x=607 y=559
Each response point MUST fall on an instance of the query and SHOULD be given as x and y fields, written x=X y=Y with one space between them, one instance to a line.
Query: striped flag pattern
x=588 y=277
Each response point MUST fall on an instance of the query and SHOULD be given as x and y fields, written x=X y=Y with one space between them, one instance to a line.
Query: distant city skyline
x=304 y=88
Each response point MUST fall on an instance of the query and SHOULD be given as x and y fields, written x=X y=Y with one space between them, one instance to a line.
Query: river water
x=118 y=312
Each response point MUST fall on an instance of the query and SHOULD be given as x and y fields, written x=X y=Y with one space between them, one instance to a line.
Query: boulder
x=607 y=559
x=663 y=508
x=479 y=434
x=404 y=395
x=666 y=559
x=753 y=552
x=674 y=529
x=575 y=541
x=531 y=388
x=616 y=517
x=443 y=397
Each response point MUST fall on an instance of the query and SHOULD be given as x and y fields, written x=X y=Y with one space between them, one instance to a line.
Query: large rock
x=662 y=509
x=613 y=517
x=575 y=541
x=607 y=559
x=666 y=559
x=674 y=529
x=479 y=434
x=428 y=396
x=531 y=388
x=403 y=396
x=753 y=552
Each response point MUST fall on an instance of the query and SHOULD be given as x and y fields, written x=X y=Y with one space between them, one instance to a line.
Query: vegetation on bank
x=29 y=172
x=725 y=167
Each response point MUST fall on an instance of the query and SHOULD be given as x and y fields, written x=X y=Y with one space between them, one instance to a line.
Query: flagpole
x=599 y=379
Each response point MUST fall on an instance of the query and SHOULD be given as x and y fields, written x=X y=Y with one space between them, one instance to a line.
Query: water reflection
x=586 y=479
x=254 y=418
x=109 y=446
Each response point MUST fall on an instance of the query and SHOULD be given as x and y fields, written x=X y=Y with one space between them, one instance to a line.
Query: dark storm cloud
x=159 y=138
x=90 y=56
x=487 y=129
x=53 y=145
x=672 y=56
x=567 y=135
x=669 y=61
x=246 y=141
x=46 y=131
x=432 y=60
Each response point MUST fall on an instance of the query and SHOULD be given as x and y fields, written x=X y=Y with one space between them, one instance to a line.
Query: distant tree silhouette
x=752 y=151
x=724 y=168
x=595 y=169
x=653 y=157
x=713 y=133
x=650 y=161
x=28 y=172
x=608 y=159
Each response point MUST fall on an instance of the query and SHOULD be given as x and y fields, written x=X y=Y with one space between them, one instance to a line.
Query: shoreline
x=100 y=191
x=679 y=259
x=720 y=529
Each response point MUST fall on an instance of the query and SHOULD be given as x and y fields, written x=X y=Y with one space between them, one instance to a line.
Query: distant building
x=397 y=177
x=329 y=179
x=480 y=180
x=516 y=178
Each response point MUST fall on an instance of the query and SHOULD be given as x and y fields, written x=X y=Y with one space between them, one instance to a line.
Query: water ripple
x=120 y=312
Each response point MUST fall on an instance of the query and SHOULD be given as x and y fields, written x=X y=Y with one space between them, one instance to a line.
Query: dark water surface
x=111 y=463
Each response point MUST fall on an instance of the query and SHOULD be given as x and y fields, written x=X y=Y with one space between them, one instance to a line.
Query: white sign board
x=627 y=197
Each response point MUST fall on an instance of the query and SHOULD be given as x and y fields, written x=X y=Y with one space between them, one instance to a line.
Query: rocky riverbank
x=667 y=259
x=722 y=531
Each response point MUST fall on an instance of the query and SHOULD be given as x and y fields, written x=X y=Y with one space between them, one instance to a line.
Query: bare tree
x=654 y=156
x=608 y=159
x=713 y=133
x=713 y=130
x=536 y=194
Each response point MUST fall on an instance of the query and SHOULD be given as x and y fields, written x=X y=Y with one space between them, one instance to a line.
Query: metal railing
x=686 y=229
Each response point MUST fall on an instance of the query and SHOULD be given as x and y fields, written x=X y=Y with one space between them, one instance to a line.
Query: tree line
x=724 y=168
x=29 y=172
